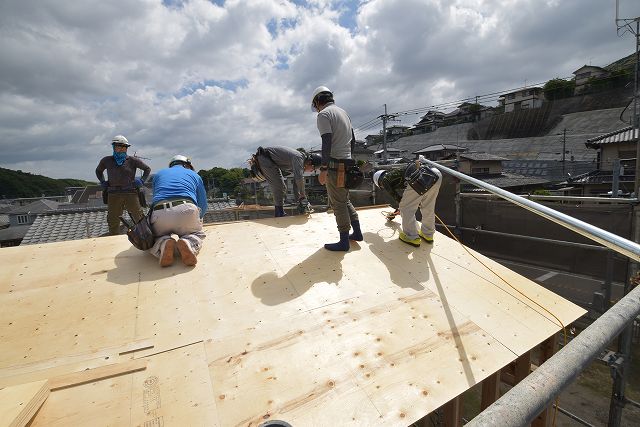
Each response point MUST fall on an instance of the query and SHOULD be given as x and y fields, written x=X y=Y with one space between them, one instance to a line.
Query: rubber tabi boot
x=280 y=212
x=342 y=245
x=357 y=234
x=413 y=242
x=428 y=239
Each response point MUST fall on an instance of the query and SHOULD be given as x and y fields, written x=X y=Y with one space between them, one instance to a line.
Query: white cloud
x=215 y=82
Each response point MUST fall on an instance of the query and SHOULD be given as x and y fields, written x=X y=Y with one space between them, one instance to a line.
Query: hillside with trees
x=15 y=184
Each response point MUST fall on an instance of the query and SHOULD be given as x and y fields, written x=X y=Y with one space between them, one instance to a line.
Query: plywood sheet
x=174 y=390
x=283 y=329
x=19 y=403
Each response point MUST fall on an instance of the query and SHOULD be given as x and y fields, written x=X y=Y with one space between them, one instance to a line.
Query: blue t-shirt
x=179 y=182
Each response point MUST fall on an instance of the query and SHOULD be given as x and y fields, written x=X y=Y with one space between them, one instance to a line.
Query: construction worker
x=122 y=185
x=338 y=141
x=269 y=164
x=407 y=200
x=179 y=205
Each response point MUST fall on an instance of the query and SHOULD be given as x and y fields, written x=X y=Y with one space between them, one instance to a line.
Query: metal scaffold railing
x=521 y=405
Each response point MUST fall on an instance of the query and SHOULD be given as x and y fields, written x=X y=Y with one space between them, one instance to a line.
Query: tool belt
x=348 y=174
x=121 y=189
x=165 y=204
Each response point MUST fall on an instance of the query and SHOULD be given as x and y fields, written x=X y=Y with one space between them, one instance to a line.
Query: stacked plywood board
x=268 y=325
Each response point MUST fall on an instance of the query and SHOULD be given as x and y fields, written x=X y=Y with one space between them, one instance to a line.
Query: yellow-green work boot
x=426 y=238
x=413 y=242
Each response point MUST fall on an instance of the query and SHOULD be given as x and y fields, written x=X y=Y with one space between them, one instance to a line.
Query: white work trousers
x=183 y=220
x=412 y=201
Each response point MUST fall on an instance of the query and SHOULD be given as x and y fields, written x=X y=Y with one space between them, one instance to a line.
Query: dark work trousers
x=339 y=199
x=116 y=204
x=274 y=177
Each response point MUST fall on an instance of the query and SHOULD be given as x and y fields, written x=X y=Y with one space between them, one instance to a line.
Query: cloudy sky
x=216 y=79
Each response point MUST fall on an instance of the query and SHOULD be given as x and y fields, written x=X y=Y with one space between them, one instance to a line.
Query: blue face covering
x=119 y=157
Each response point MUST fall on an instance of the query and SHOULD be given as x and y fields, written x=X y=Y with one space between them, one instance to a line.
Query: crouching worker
x=412 y=187
x=179 y=204
x=269 y=163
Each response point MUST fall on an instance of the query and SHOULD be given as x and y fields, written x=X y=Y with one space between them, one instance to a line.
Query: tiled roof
x=218 y=211
x=627 y=134
x=87 y=223
x=61 y=226
x=481 y=156
x=4 y=220
x=13 y=233
x=440 y=147
x=508 y=180
x=39 y=206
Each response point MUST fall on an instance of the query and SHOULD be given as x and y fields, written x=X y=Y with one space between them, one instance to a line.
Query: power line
x=488 y=97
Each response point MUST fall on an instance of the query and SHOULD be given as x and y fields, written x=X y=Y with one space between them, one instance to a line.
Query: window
x=478 y=171
x=511 y=96
x=23 y=219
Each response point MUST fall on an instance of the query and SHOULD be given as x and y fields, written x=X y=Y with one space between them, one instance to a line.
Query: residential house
x=488 y=168
x=439 y=151
x=396 y=132
x=480 y=164
x=429 y=122
x=392 y=153
x=26 y=214
x=522 y=99
x=585 y=73
x=612 y=147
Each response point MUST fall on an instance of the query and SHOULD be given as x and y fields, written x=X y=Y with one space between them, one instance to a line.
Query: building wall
x=610 y=152
x=491 y=167
x=526 y=98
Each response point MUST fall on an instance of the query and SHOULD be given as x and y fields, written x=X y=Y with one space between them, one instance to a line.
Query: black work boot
x=342 y=245
x=357 y=234
x=279 y=212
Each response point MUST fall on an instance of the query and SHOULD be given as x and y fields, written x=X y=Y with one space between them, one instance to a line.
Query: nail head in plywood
x=19 y=403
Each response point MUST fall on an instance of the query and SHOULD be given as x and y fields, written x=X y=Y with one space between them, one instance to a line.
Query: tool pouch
x=141 y=198
x=354 y=177
x=420 y=178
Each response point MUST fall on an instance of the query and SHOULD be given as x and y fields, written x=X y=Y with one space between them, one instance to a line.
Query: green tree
x=558 y=88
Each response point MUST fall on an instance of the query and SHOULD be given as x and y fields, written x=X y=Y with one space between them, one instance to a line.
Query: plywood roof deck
x=268 y=325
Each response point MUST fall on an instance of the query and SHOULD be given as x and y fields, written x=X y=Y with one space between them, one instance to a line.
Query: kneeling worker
x=269 y=163
x=412 y=187
x=179 y=204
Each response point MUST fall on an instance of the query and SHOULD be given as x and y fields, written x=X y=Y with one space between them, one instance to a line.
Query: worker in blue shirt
x=179 y=204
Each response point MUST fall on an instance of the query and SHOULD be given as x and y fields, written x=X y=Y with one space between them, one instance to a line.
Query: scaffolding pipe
x=522 y=404
x=610 y=240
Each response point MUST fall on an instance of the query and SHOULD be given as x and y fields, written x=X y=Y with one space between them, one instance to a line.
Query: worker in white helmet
x=413 y=187
x=338 y=141
x=179 y=205
x=121 y=185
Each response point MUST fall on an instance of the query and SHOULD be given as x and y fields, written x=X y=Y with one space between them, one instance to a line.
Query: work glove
x=138 y=183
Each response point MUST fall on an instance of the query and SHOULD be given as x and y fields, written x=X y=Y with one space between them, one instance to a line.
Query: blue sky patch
x=230 y=85
x=349 y=12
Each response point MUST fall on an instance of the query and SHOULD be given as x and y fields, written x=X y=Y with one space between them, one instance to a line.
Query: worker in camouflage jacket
x=406 y=200
x=122 y=185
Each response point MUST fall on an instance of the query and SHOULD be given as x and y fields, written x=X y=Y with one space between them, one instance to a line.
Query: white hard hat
x=377 y=176
x=316 y=92
x=180 y=159
x=119 y=139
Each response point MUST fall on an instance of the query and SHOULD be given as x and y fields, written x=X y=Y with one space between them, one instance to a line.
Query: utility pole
x=620 y=366
x=385 y=155
x=385 y=117
x=564 y=150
